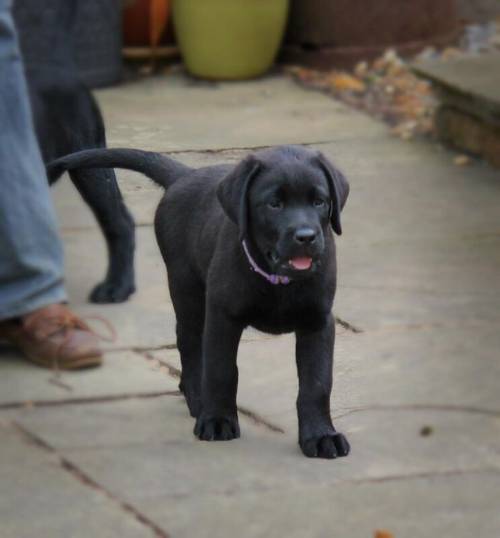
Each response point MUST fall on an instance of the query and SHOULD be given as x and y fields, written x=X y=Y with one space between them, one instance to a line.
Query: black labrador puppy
x=68 y=119
x=247 y=245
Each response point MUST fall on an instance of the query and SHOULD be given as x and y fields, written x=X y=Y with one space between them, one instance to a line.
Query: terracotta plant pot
x=229 y=39
x=145 y=22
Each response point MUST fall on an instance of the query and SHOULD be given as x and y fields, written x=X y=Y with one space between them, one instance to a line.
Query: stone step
x=468 y=116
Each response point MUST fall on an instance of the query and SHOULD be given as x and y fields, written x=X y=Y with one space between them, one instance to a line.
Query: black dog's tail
x=161 y=169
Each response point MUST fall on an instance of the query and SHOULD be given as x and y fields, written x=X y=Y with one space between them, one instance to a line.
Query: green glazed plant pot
x=229 y=39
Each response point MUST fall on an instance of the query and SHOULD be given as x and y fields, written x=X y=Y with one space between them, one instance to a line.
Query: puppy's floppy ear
x=339 y=190
x=232 y=192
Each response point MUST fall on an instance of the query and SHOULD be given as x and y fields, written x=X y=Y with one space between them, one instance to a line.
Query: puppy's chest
x=280 y=314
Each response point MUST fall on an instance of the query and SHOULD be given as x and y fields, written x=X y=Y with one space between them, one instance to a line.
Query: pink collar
x=273 y=279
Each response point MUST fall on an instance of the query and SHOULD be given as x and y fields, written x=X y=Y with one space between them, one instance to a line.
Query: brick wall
x=479 y=10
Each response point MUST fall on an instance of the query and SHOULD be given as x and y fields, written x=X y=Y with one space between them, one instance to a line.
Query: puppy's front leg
x=218 y=420
x=314 y=353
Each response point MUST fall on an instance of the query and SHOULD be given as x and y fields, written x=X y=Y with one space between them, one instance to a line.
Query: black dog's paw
x=217 y=429
x=111 y=292
x=334 y=445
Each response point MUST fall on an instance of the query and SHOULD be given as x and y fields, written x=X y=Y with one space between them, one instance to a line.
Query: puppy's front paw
x=330 y=446
x=217 y=428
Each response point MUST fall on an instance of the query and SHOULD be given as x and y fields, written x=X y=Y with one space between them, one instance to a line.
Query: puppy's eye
x=276 y=204
x=318 y=202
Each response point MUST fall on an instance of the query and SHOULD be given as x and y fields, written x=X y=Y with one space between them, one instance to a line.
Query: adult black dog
x=68 y=119
x=247 y=245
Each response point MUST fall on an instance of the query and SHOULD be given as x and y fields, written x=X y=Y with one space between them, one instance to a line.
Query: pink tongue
x=301 y=263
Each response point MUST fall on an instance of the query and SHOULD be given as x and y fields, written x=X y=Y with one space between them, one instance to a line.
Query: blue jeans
x=31 y=255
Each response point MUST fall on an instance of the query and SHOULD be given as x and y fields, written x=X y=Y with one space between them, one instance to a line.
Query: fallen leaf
x=344 y=81
x=425 y=431
x=361 y=69
x=462 y=160
x=145 y=70
x=383 y=534
x=450 y=52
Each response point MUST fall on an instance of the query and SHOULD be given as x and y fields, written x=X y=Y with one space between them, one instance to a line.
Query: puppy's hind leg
x=188 y=298
x=98 y=187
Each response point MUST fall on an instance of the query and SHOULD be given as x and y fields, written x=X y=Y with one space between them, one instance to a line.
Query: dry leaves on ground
x=388 y=89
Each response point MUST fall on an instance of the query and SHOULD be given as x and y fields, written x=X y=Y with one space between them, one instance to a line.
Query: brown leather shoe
x=54 y=337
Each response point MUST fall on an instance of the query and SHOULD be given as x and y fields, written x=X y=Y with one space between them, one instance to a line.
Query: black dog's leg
x=189 y=304
x=100 y=190
x=189 y=344
x=218 y=420
x=317 y=436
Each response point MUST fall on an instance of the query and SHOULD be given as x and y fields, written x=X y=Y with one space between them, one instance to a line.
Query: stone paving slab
x=445 y=281
x=122 y=373
x=449 y=265
x=42 y=500
x=388 y=308
x=449 y=506
x=468 y=117
x=177 y=113
x=156 y=458
x=160 y=433
x=412 y=190
x=434 y=367
x=476 y=77
x=159 y=420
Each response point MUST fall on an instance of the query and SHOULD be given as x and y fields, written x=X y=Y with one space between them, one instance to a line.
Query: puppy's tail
x=161 y=169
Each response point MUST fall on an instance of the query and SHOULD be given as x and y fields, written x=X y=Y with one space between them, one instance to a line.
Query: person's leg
x=31 y=258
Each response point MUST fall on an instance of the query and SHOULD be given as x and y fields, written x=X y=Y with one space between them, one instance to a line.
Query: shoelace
x=65 y=322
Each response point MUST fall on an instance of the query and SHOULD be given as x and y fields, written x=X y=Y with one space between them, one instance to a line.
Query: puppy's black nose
x=305 y=236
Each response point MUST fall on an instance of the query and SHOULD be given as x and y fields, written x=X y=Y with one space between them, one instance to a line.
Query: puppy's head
x=284 y=201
